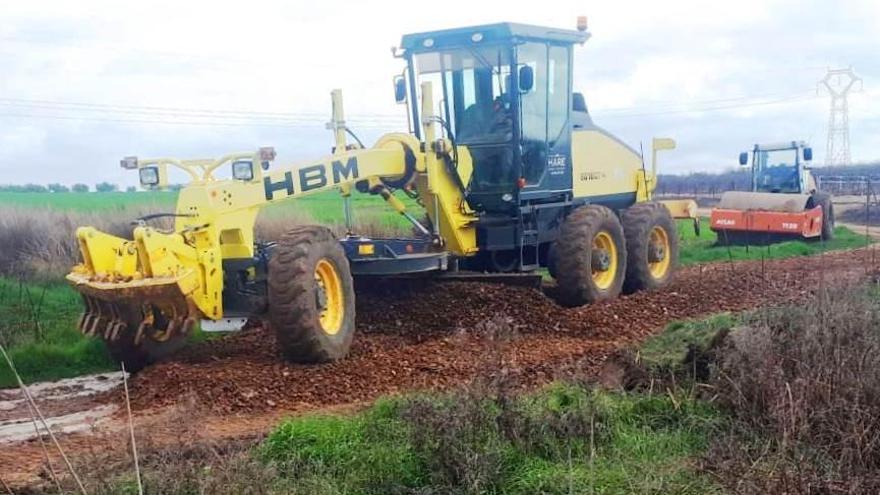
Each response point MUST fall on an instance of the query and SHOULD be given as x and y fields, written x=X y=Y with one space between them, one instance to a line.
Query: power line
x=178 y=111
x=709 y=109
x=142 y=114
x=290 y=124
x=731 y=99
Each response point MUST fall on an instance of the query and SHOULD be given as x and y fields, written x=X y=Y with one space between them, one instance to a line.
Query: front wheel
x=311 y=296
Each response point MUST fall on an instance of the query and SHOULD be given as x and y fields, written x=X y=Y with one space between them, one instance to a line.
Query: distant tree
x=56 y=188
x=80 y=188
x=131 y=189
x=106 y=187
x=36 y=188
x=174 y=187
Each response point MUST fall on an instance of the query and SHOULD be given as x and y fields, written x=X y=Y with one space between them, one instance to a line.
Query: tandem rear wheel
x=652 y=246
x=598 y=255
x=311 y=296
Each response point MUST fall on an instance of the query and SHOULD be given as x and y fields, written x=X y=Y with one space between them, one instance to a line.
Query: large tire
x=824 y=200
x=579 y=278
x=651 y=246
x=552 y=261
x=311 y=296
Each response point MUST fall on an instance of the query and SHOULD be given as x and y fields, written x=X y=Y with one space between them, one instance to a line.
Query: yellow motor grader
x=505 y=160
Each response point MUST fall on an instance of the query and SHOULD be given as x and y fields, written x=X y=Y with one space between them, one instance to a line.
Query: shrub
x=804 y=386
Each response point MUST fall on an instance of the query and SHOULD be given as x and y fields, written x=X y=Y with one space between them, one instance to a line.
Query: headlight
x=243 y=170
x=149 y=176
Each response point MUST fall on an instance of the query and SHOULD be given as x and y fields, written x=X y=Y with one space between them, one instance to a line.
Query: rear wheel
x=589 y=256
x=311 y=296
x=651 y=246
x=824 y=200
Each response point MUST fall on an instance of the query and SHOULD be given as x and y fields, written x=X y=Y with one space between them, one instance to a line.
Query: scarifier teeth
x=188 y=325
x=139 y=336
x=118 y=328
x=81 y=323
x=89 y=315
x=94 y=323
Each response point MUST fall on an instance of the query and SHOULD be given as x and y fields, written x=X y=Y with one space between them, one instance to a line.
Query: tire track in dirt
x=433 y=335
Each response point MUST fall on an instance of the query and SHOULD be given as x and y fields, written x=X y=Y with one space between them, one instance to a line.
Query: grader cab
x=502 y=156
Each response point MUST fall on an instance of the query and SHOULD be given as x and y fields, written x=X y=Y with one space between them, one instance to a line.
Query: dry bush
x=804 y=386
x=41 y=243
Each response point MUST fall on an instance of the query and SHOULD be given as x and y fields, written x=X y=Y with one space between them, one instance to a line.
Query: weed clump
x=803 y=385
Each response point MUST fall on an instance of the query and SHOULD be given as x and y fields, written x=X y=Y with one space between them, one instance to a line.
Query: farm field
x=323 y=208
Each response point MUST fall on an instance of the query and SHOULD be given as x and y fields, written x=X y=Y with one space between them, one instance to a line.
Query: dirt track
x=417 y=336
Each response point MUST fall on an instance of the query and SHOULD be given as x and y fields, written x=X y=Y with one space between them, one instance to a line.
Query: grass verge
x=790 y=406
x=38 y=327
x=563 y=439
x=695 y=249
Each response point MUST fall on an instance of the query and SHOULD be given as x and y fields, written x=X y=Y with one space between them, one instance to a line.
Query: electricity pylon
x=838 y=83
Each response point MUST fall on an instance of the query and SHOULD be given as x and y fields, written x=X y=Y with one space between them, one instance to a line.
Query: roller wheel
x=311 y=296
x=824 y=200
x=590 y=256
x=651 y=246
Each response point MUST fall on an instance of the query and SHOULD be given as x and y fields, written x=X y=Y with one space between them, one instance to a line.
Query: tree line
x=61 y=188
x=702 y=183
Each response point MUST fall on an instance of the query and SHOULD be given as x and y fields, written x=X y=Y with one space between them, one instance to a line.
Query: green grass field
x=324 y=208
x=89 y=202
x=704 y=249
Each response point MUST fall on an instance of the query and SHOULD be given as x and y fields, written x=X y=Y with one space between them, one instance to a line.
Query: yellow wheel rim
x=330 y=298
x=658 y=252
x=604 y=272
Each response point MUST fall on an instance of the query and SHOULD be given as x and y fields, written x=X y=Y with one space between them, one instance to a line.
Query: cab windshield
x=777 y=171
x=470 y=92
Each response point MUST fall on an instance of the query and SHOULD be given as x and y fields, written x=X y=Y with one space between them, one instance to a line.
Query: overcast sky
x=84 y=83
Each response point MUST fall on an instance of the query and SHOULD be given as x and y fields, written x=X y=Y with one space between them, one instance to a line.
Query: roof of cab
x=488 y=33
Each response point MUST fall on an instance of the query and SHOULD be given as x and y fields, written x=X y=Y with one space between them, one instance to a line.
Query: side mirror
x=578 y=103
x=526 y=78
x=808 y=154
x=743 y=158
x=399 y=89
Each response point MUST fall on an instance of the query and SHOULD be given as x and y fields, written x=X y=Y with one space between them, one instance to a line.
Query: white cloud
x=276 y=56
